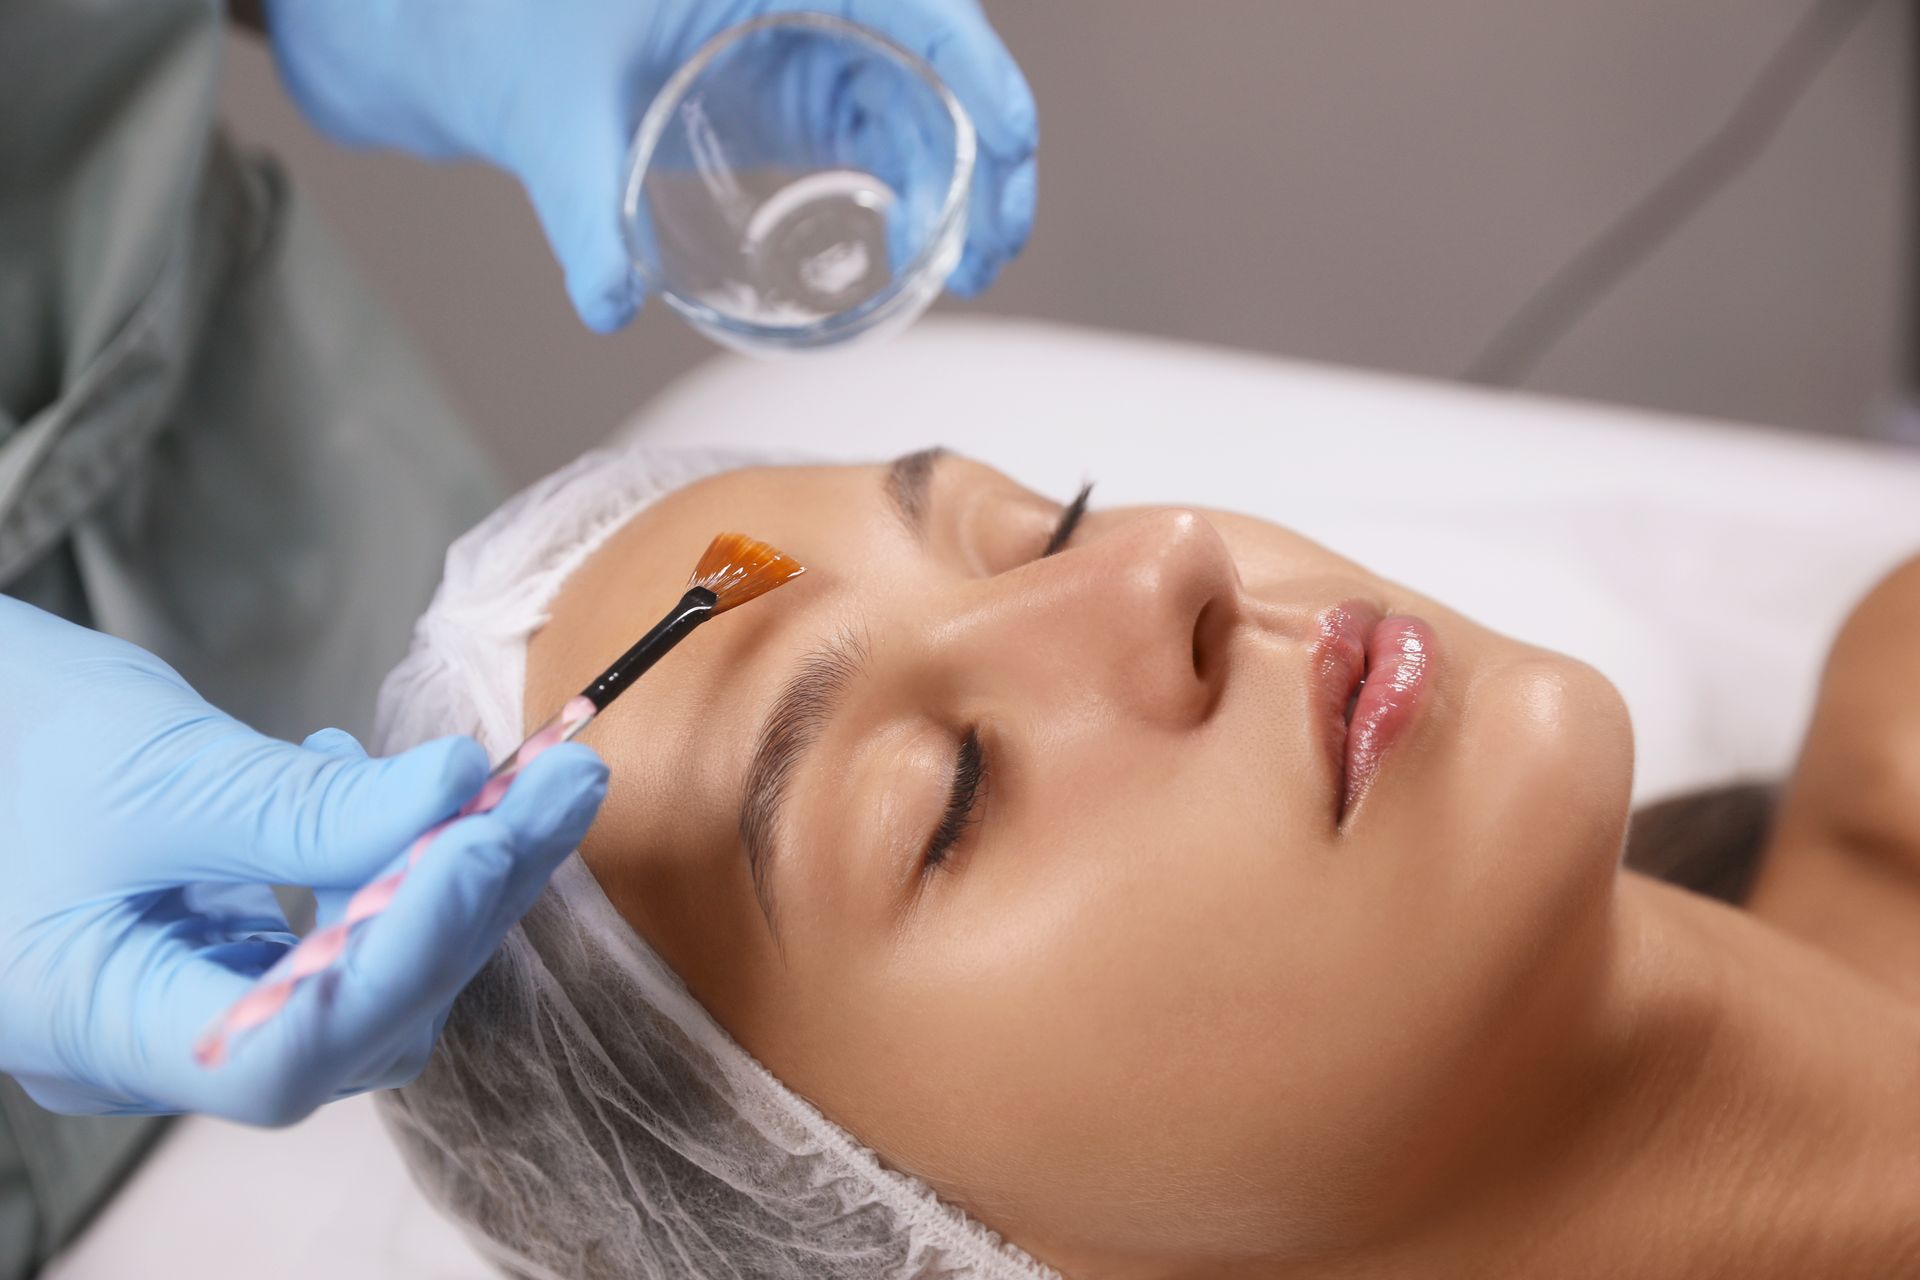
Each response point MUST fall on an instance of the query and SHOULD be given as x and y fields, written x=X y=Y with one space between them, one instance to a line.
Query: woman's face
x=1042 y=873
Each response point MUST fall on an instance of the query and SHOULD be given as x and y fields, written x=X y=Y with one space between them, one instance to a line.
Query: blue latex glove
x=552 y=91
x=138 y=829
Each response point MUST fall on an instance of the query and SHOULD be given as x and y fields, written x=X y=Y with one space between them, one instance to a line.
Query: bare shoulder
x=1859 y=774
x=1843 y=865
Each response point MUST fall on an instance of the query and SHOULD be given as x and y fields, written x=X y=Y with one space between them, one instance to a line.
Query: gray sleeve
x=55 y=1174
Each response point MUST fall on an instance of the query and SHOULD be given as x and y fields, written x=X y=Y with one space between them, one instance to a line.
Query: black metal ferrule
x=694 y=608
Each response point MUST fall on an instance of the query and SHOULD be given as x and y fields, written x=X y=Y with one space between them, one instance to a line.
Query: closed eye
x=963 y=800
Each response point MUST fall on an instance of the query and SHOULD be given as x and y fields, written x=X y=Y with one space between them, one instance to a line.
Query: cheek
x=1093 y=1020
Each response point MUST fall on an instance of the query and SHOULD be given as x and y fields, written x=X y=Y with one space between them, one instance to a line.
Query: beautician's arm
x=1843 y=869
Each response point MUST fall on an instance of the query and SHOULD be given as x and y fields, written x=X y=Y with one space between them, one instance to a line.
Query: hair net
x=583 y=1115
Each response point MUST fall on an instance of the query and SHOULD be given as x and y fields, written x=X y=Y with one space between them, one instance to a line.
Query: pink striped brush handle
x=319 y=949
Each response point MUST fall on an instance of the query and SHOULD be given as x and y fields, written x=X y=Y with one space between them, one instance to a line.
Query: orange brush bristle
x=737 y=569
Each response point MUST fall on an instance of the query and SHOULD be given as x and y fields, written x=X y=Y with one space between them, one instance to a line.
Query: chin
x=1541 y=785
x=1571 y=726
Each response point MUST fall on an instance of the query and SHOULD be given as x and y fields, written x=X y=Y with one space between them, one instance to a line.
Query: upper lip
x=1337 y=665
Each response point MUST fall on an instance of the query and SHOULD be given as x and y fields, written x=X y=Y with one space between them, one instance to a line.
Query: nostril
x=1211 y=646
x=1212 y=631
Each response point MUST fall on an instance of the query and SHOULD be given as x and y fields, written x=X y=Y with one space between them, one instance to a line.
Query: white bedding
x=1702 y=566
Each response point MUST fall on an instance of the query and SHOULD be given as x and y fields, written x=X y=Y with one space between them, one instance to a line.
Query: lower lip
x=1388 y=661
x=1400 y=654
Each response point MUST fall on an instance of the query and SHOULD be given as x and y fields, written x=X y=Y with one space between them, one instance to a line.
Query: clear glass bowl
x=800 y=183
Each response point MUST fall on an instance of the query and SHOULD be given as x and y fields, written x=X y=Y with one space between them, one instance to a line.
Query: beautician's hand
x=553 y=90
x=139 y=828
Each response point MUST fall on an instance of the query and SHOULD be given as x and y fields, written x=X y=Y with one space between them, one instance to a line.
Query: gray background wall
x=1375 y=182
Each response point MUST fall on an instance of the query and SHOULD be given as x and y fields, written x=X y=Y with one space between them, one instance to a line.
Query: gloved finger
x=548 y=810
x=416 y=1050
x=329 y=904
x=1000 y=222
x=549 y=807
x=955 y=36
x=335 y=742
x=412 y=961
x=545 y=815
x=575 y=183
x=969 y=56
x=338 y=1029
x=402 y=969
x=271 y=812
x=399 y=1064
x=857 y=107
x=144 y=1015
x=77 y=1098
x=853 y=101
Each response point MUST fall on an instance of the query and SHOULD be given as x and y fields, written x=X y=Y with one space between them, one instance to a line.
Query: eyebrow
x=793 y=724
x=909 y=483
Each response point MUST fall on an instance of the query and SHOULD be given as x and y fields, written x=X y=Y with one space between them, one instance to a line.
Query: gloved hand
x=552 y=91
x=139 y=828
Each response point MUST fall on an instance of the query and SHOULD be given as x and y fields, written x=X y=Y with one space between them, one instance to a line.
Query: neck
x=1749 y=1107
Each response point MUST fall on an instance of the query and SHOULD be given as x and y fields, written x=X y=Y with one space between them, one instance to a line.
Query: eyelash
x=970 y=763
x=969 y=780
x=1069 y=521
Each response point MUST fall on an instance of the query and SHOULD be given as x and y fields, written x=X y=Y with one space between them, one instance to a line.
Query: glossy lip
x=1382 y=666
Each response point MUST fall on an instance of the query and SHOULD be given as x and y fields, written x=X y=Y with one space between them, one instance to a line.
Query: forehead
x=666 y=846
x=831 y=519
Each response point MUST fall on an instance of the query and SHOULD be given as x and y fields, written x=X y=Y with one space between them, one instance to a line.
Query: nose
x=1140 y=617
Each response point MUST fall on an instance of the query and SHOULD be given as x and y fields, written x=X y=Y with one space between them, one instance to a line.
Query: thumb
x=325 y=818
x=575 y=184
